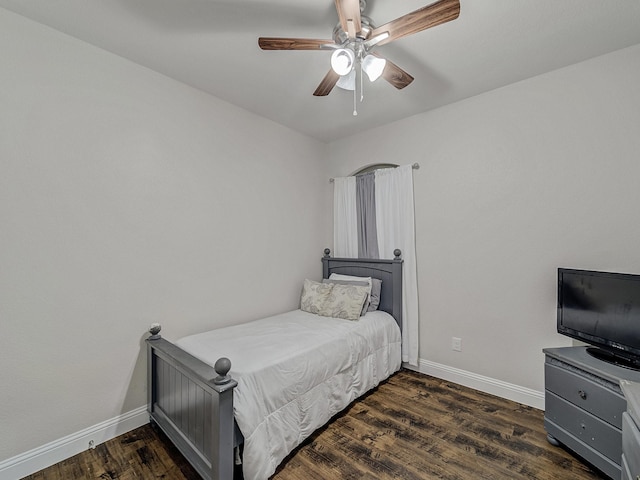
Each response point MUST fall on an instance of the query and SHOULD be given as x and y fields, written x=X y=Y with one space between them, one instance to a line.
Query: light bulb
x=342 y=61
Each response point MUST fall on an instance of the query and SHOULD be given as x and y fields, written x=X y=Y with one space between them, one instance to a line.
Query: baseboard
x=526 y=396
x=42 y=457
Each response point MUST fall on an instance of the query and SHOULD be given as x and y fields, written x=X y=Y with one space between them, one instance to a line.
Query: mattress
x=294 y=372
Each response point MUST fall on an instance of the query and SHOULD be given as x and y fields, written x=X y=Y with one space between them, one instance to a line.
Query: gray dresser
x=631 y=431
x=584 y=406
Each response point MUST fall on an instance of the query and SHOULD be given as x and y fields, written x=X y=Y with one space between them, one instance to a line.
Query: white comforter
x=294 y=372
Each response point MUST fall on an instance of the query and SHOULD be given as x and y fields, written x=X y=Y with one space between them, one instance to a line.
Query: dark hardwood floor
x=411 y=427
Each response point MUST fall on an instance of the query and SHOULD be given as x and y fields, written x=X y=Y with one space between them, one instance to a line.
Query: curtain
x=396 y=229
x=366 y=210
x=374 y=215
x=345 y=238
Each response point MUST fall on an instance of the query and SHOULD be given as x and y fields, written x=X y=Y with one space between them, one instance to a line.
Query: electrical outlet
x=456 y=344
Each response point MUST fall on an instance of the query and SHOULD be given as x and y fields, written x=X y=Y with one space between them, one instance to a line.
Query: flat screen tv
x=603 y=310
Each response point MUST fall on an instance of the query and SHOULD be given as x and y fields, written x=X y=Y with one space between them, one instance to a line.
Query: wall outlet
x=456 y=344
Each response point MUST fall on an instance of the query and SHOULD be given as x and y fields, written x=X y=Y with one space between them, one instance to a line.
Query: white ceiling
x=212 y=45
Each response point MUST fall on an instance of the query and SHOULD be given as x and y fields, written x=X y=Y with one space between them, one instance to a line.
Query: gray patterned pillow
x=314 y=296
x=345 y=301
x=365 y=307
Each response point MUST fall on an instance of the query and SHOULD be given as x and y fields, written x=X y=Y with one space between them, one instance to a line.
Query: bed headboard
x=389 y=271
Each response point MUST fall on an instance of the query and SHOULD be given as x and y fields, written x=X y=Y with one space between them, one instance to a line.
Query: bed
x=205 y=392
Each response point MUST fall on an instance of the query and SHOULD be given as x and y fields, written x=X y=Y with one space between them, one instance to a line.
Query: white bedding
x=294 y=372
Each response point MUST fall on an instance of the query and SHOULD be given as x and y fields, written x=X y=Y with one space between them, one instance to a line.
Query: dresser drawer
x=589 y=394
x=587 y=428
x=631 y=445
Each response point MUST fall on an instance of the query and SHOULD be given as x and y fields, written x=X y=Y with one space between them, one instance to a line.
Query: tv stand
x=584 y=405
x=611 y=357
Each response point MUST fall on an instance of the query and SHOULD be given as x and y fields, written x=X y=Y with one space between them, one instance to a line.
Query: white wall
x=513 y=184
x=127 y=198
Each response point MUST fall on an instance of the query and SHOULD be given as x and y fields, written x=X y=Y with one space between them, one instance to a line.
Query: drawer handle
x=583 y=395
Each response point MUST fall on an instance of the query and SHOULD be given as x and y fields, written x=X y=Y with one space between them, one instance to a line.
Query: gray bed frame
x=192 y=402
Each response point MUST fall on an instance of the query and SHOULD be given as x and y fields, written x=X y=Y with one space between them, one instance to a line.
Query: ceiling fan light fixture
x=342 y=61
x=373 y=66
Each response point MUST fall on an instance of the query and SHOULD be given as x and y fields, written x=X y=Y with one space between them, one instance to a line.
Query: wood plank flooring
x=411 y=427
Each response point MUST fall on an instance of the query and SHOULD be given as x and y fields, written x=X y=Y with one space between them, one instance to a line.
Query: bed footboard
x=193 y=404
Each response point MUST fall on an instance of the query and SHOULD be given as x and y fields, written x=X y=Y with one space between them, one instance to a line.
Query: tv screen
x=602 y=309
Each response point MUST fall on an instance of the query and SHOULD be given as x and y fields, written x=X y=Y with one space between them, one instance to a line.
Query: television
x=601 y=309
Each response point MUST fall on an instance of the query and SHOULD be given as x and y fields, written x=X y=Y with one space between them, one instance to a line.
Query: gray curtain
x=366 y=215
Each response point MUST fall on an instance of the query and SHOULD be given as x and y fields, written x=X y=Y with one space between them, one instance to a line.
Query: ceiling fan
x=353 y=41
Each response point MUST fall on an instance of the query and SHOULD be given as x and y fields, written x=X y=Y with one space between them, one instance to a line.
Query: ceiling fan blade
x=326 y=85
x=349 y=15
x=277 y=43
x=426 y=17
x=394 y=74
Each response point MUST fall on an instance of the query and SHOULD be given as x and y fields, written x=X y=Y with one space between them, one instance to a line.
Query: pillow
x=345 y=301
x=314 y=296
x=376 y=286
x=365 y=307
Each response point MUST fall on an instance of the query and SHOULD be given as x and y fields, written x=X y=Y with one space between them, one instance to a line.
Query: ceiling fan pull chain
x=355 y=102
x=360 y=54
x=361 y=84
x=357 y=87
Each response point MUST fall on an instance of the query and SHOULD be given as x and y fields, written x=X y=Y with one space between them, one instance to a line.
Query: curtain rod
x=415 y=166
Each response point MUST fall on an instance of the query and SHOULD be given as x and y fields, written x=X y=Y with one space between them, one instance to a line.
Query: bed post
x=223 y=440
x=325 y=263
x=396 y=266
x=154 y=330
